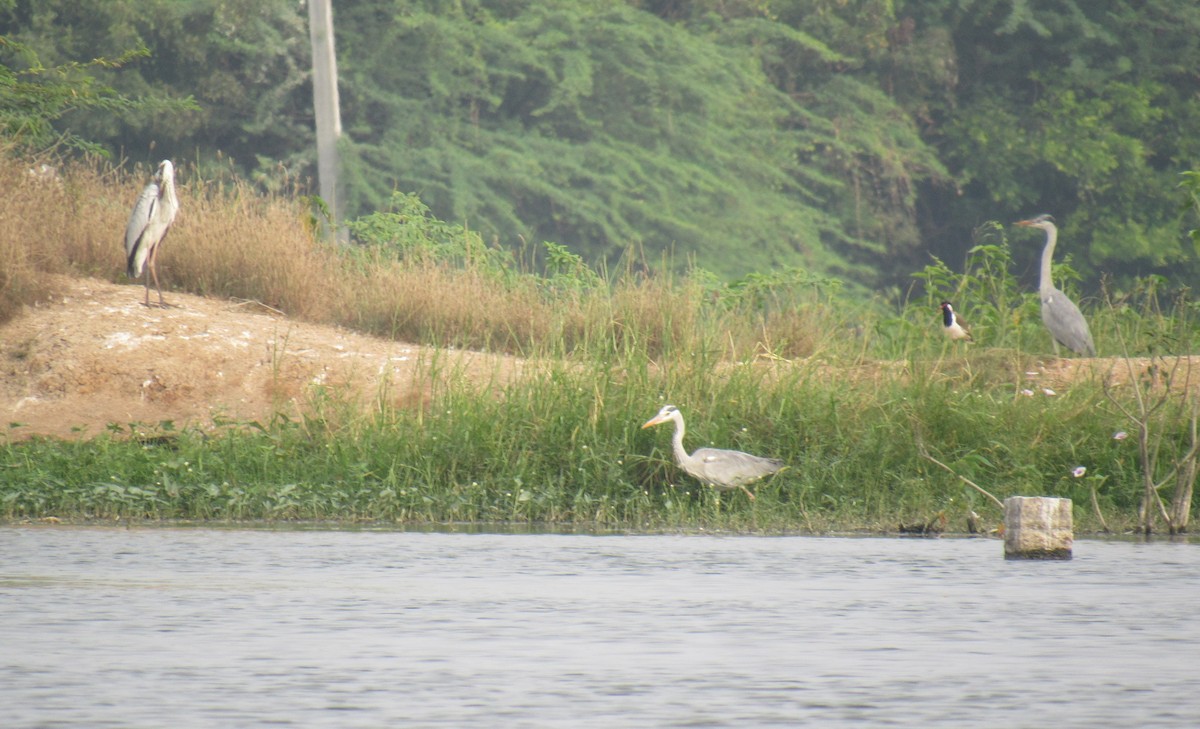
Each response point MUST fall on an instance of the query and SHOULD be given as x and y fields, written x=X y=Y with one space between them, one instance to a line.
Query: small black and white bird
x=954 y=327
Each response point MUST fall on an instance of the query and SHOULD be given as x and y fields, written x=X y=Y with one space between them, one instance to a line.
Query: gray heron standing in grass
x=1060 y=315
x=715 y=467
x=148 y=225
x=954 y=327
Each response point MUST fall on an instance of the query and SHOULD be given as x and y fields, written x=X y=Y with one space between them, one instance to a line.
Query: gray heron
x=1060 y=315
x=715 y=467
x=148 y=225
x=954 y=326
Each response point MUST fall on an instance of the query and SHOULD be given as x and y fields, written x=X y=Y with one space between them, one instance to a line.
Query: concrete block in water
x=1037 y=527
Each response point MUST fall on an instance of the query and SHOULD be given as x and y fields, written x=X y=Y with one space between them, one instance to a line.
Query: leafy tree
x=584 y=122
x=1074 y=108
x=860 y=154
x=868 y=141
x=33 y=98
x=245 y=62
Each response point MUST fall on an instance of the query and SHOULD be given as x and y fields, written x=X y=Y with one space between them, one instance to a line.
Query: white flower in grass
x=1120 y=435
x=1027 y=393
x=1048 y=392
x=1079 y=471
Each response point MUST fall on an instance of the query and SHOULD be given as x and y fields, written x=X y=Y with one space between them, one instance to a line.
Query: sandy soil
x=95 y=355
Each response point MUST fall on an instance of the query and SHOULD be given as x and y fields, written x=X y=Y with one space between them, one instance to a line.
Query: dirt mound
x=95 y=355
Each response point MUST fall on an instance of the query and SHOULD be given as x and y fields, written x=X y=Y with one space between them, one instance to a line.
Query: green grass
x=788 y=365
x=566 y=449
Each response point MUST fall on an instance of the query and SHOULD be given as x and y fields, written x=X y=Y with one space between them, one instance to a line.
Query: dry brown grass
x=34 y=206
x=232 y=242
x=418 y=301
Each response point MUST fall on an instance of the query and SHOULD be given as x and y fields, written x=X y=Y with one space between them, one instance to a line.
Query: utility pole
x=327 y=107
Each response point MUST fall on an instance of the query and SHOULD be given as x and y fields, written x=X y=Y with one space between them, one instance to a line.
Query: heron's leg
x=146 y=277
x=154 y=270
x=1055 y=343
x=743 y=488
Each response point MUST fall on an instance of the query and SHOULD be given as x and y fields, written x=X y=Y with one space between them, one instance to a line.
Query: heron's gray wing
x=135 y=255
x=1066 y=323
x=730 y=469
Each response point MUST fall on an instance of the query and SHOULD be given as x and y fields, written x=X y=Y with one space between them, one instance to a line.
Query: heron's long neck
x=1047 y=283
x=681 y=456
x=168 y=192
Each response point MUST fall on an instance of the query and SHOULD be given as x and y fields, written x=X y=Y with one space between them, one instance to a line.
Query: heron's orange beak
x=1026 y=223
x=653 y=421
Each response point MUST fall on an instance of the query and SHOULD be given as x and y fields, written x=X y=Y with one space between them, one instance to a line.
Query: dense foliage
x=847 y=138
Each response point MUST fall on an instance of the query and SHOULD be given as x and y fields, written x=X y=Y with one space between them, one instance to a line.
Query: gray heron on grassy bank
x=716 y=467
x=1060 y=315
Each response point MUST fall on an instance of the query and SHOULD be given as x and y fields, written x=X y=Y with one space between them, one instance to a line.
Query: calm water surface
x=217 y=628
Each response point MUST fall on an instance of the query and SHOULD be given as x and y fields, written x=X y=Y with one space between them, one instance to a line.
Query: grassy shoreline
x=564 y=448
x=848 y=392
x=1132 y=534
